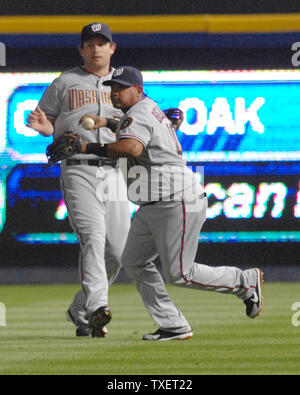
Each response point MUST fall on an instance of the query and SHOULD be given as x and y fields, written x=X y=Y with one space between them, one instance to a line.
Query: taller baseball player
x=94 y=218
x=173 y=210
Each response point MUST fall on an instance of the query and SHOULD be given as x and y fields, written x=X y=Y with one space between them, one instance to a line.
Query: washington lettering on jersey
x=79 y=98
x=158 y=114
x=105 y=98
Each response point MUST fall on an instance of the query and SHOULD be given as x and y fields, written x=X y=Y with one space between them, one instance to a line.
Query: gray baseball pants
x=97 y=204
x=170 y=230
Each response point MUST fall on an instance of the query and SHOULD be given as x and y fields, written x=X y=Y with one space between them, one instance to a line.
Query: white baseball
x=88 y=123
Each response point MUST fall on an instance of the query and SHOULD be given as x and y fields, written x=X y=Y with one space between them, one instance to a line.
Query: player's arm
x=39 y=121
x=71 y=144
x=124 y=148
x=43 y=118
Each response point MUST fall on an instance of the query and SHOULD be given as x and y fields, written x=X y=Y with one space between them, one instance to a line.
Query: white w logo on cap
x=118 y=72
x=96 y=28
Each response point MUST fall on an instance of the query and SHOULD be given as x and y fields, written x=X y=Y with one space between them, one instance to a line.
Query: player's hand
x=38 y=121
x=64 y=147
x=100 y=122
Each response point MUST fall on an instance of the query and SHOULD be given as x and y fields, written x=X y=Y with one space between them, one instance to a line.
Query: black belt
x=91 y=162
x=202 y=196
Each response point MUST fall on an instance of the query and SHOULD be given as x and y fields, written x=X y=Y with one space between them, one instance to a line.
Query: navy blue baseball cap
x=126 y=75
x=96 y=29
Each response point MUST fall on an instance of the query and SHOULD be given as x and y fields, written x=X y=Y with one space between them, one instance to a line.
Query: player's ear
x=113 y=47
x=80 y=49
x=140 y=90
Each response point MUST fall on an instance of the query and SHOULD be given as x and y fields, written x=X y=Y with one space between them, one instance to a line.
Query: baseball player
x=94 y=218
x=172 y=211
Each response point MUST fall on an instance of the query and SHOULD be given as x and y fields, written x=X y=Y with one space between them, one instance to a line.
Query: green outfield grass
x=38 y=340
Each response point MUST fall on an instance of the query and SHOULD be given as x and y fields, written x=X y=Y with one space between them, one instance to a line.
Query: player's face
x=96 y=52
x=125 y=97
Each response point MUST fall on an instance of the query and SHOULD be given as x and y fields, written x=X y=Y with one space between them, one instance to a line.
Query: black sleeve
x=112 y=124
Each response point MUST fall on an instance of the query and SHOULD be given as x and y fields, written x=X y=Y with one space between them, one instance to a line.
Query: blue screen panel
x=242 y=127
x=240 y=117
x=21 y=102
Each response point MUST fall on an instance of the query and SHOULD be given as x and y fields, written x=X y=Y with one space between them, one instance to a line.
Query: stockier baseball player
x=172 y=211
x=101 y=225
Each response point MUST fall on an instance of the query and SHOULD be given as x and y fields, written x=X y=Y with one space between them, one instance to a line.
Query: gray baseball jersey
x=74 y=94
x=163 y=172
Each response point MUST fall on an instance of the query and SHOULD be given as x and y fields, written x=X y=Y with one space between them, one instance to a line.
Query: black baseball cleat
x=163 y=336
x=255 y=303
x=99 y=319
x=82 y=330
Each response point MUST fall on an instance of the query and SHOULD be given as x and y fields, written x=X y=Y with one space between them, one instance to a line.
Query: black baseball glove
x=175 y=115
x=64 y=147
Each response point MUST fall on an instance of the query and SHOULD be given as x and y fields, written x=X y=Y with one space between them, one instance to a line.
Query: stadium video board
x=243 y=127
